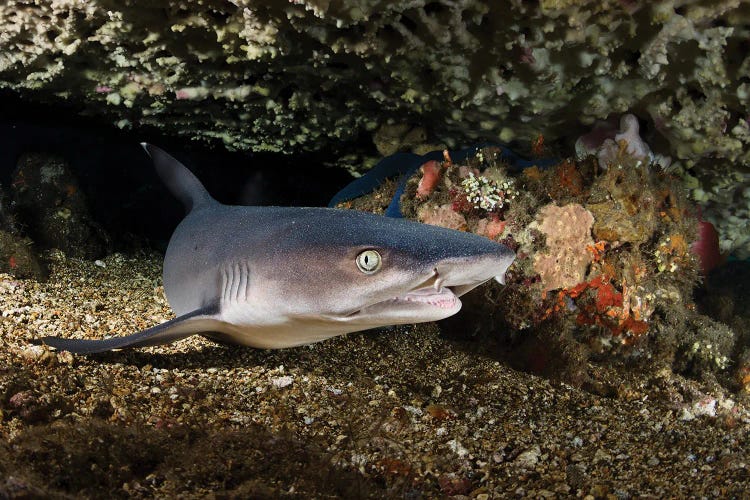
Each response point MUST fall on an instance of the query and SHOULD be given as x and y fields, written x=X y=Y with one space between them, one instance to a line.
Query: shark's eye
x=368 y=261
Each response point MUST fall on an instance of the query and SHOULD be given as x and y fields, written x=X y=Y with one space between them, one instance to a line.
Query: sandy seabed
x=399 y=412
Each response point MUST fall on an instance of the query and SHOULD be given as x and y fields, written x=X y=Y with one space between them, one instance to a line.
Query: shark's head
x=345 y=271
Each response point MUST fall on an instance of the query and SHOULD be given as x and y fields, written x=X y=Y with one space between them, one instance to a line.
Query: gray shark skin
x=275 y=277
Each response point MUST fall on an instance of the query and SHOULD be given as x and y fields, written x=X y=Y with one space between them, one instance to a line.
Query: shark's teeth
x=445 y=299
x=444 y=304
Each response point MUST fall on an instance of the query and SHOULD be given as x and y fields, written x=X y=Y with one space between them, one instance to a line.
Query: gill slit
x=244 y=281
x=235 y=282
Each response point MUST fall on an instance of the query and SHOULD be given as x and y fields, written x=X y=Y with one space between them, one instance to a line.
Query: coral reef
x=459 y=196
x=608 y=256
x=308 y=74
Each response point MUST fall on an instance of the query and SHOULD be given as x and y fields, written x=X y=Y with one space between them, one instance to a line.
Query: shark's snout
x=464 y=274
x=435 y=293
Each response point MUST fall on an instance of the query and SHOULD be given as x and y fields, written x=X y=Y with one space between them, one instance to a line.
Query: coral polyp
x=486 y=194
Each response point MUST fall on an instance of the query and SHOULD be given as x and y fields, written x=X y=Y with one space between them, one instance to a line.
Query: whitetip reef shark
x=275 y=277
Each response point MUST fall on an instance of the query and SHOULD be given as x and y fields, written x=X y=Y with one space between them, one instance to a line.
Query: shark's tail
x=179 y=180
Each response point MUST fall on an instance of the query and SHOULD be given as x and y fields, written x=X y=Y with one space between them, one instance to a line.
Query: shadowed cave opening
x=122 y=190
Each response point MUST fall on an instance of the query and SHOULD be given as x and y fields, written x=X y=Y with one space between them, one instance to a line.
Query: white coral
x=487 y=194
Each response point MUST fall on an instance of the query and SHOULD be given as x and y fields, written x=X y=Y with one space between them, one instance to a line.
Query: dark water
x=123 y=191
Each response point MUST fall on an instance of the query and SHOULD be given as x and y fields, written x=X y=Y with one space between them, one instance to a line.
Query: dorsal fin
x=178 y=179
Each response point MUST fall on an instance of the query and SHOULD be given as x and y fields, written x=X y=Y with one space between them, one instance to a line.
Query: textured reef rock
x=17 y=256
x=45 y=210
x=49 y=201
x=608 y=256
x=303 y=75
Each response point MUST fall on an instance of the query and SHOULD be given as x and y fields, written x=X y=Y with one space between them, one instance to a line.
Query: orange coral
x=606 y=295
x=597 y=250
x=568 y=180
x=600 y=303
x=492 y=227
x=537 y=147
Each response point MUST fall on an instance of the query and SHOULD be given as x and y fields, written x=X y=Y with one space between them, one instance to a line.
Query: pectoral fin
x=199 y=321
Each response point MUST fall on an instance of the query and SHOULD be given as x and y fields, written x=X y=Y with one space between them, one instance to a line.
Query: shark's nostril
x=433 y=281
x=439 y=283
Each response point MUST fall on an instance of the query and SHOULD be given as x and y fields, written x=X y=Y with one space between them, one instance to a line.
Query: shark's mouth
x=444 y=298
x=430 y=300
x=422 y=304
x=435 y=292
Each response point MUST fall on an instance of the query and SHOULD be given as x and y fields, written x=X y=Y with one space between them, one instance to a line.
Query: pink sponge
x=706 y=247
x=431 y=172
